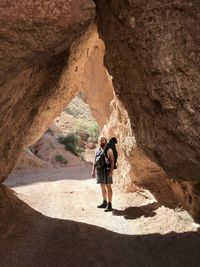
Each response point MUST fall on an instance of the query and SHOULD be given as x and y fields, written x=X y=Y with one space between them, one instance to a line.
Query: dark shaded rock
x=152 y=52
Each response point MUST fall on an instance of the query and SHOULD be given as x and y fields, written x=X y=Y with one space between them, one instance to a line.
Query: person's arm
x=93 y=168
x=112 y=161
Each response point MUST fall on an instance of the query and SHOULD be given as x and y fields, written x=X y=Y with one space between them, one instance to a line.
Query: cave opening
x=142 y=187
x=51 y=50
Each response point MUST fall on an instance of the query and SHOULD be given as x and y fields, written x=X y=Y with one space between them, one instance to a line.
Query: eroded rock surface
x=152 y=52
x=96 y=83
x=36 y=49
x=119 y=125
x=32 y=31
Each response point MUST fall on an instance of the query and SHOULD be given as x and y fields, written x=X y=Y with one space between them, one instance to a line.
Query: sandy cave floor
x=71 y=194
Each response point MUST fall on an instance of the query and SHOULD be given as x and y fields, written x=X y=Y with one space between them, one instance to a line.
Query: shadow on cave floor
x=132 y=213
x=25 y=177
x=29 y=238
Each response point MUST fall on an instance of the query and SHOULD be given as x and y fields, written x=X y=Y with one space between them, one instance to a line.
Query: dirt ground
x=63 y=227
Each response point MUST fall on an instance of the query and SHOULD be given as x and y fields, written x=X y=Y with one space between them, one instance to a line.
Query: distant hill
x=76 y=118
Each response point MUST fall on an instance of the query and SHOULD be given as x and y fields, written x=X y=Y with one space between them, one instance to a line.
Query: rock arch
x=152 y=55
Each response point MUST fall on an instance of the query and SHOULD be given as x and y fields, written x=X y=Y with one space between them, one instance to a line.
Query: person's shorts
x=102 y=176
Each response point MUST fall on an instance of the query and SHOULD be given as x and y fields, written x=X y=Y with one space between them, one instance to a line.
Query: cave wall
x=135 y=170
x=119 y=125
x=96 y=83
x=37 y=43
x=19 y=106
x=33 y=31
x=152 y=52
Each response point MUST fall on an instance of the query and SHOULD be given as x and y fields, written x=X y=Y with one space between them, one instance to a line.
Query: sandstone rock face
x=119 y=126
x=36 y=49
x=137 y=172
x=134 y=168
x=152 y=52
x=68 y=85
x=96 y=83
x=32 y=31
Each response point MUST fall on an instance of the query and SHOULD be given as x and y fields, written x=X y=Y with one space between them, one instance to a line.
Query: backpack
x=100 y=160
x=113 y=147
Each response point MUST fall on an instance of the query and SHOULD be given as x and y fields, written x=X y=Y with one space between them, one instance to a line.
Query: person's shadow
x=132 y=213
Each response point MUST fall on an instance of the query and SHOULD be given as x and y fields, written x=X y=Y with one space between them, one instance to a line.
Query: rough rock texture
x=119 y=126
x=32 y=31
x=36 y=47
x=148 y=175
x=137 y=172
x=188 y=195
x=97 y=83
x=152 y=52
x=135 y=169
x=69 y=84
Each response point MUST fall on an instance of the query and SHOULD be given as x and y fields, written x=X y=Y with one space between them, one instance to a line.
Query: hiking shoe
x=109 y=207
x=103 y=205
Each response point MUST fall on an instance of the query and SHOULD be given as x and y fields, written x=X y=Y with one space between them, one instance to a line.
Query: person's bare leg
x=103 y=191
x=109 y=192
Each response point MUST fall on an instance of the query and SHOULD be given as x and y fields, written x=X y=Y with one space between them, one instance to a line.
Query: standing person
x=104 y=163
